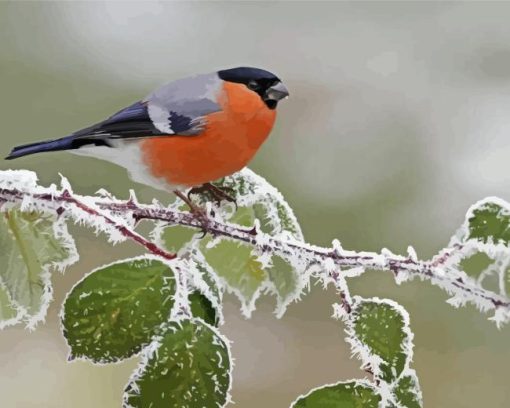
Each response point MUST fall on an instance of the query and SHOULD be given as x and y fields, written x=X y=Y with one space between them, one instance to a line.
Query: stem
x=124 y=230
x=64 y=197
x=434 y=270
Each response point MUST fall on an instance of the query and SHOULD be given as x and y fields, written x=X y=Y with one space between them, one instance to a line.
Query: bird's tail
x=64 y=143
x=39 y=147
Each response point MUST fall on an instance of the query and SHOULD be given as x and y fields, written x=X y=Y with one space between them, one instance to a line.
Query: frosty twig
x=115 y=213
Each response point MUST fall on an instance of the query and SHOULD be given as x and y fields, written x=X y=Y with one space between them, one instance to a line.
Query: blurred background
x=399 y=120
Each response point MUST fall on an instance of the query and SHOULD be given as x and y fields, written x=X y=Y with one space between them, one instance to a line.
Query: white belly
x=127 y=154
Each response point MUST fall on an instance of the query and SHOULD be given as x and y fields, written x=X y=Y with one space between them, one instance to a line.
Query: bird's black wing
x=131 y=122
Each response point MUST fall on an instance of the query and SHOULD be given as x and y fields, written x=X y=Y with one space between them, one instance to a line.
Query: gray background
x=398 y=121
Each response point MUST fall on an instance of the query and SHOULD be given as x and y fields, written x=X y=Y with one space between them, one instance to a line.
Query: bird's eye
x=253 y=85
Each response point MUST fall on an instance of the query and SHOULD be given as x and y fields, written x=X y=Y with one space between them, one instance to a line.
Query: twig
x=436 y=270
x=66 y=197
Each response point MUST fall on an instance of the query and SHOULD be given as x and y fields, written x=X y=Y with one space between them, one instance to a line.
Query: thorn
x=337 y=247
x=137 y=220
x=345 y=304
x=411 y=253
x=132 y=198
x=104 y=193
x=65 y=183
x=252 y=231
x=387 y=253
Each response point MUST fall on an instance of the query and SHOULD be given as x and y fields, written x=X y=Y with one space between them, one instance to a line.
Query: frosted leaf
x=188 y=366
x=202 y=307
x=174 y=238
x=10 y=312
x=476 y=264
x=241 y=269
x=406 y=391
x=33 y=245
x=237 y=266
x=484 y=255
x=115 y=310
x=348 y=394
x=203 y=278
x=378 y=332
x=275 y=215
x=488 y=221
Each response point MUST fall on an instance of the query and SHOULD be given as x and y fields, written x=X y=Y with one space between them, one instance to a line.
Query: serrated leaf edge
x=362 y=351
x=73 y=358
x=152 y=348
x=61 y=233
x=357 y=382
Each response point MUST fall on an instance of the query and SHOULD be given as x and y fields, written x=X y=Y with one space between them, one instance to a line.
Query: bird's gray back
x=192 y=97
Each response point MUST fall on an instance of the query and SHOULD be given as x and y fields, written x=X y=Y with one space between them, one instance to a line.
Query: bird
x=185 y=134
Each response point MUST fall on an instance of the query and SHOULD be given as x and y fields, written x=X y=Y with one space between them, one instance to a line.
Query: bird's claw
x=198 y=213
x=201 y=216
x=218 y=194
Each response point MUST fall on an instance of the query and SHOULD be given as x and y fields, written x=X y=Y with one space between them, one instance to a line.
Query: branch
x=437 y=270
x=65 y=197
x=432 y=270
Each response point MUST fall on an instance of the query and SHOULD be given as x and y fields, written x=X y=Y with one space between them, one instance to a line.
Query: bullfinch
x=184 y=134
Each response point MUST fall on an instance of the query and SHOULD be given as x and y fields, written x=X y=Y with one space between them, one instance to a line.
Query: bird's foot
x=218 y=194
x=198 y=212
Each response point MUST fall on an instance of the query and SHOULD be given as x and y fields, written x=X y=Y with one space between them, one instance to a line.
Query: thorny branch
x=436 y=270
x=65 y=197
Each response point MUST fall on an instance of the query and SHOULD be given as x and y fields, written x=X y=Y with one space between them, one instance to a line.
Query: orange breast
x=230 y=139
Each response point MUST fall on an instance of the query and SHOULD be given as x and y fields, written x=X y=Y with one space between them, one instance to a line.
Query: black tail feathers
x=65 y=143
x=39 y=147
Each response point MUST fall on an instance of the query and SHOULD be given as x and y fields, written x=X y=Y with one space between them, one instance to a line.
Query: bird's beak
x=277 y=92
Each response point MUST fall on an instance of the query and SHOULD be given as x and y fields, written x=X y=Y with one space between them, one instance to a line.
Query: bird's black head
x=266 y=84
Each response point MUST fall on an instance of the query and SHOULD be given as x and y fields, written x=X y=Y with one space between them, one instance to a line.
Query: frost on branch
x=483 y=254
x=237 y=266
x=167 y=305
x=269 y=207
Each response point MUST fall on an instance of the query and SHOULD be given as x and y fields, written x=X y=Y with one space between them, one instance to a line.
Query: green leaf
x=489 y=222
x=407 y=392
x=284 y=278
x=269 y=206
x=116 y=310
x=8 y=313
x=203 y=308
x=204 y=272
x=475 y=264
x=381 y=326
x=188 y=367
x=286 y=220
x=175 y=237
x=32 y=245
x=341 y=395
x=243 y=216
x=235 y=263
